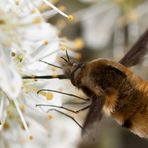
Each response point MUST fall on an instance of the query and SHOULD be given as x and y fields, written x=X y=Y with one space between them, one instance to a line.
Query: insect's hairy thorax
x=124 y=93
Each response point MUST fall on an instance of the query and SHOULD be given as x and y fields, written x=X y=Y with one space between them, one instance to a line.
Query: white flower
x=106 y=19
x=10 y=81
x=26 y=37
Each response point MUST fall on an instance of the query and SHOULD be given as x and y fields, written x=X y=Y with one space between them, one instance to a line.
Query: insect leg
x=65 y=108
x=66 y=116
x=68 y=94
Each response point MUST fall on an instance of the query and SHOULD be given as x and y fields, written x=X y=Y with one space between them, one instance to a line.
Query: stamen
x=17 y=2
x=79 y=43
x=69 y=17
x=22 y=118
x=41 y=46
x=76 y=45
x=48 y=95
x=62 y=8
x=45 y=42
x=50 y=117
x=51 y=64
x=50 y=54
x=22 y=107
x=37 y=20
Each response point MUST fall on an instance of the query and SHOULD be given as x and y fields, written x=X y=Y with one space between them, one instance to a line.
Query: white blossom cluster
x=26 y=38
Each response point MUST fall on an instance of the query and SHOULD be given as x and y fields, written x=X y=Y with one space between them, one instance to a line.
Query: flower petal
x=10 y=80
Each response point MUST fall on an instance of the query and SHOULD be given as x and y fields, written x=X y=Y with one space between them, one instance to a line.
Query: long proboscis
x=46 y=77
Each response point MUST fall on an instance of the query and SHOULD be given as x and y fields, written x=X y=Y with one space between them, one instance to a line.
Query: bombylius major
x=112 y=87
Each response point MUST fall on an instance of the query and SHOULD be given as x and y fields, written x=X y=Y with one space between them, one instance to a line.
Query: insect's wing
x=94 y=114
x=136 y=54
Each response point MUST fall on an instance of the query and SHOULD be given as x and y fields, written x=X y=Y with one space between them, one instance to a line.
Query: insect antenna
x=68 y=94
x=51 y=64
x=64 y=59
x=68 y=57
x=65 y=108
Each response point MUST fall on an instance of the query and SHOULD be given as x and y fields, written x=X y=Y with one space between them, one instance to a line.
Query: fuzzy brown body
x=112 y=87
x=122 y=94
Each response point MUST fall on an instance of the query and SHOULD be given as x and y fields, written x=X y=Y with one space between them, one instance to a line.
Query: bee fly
x=112 y=88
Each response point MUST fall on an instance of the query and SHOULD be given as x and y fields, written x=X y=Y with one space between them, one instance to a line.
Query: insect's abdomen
x=131 y=107
x=125 y=94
